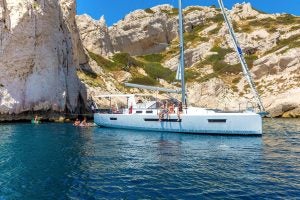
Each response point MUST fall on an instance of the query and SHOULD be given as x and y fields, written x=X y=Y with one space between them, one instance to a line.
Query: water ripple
x=58 y=161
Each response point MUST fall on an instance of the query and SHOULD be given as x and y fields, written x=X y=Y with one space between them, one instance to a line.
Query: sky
x=115 y=10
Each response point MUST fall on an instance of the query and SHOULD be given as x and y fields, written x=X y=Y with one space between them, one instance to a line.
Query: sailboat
x=195 y=120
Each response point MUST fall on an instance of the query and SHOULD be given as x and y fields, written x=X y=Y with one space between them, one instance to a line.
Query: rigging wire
x=241 y=57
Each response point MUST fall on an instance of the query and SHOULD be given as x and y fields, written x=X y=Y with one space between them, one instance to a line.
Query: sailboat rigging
x=181 y=46
x=243 y=62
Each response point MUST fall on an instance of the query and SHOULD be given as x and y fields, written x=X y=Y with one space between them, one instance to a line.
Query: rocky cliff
x=143 y=48
x=40 y=52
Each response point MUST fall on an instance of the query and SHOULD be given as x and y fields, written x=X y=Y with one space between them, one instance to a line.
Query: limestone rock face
x=285 y=104
x=143 y=33
x=192 y=56
x=39 y=54
x=274 y=63
x=243 y=11
x=140 y=32
x=94 y=34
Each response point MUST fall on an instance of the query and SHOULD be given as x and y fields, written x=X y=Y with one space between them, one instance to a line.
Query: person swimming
x=83 y=123
x=35 y=120
x=77 y=122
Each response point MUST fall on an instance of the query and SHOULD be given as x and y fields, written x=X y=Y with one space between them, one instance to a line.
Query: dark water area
x=59 y=161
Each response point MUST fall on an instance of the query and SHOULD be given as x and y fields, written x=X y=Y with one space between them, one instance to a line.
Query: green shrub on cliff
x=126 y=61
x=149 y=10
x=291 y=42
x=217 y=18
x=192 y=9
x=152 y=57
x=217 y=61
x=90 y=78
x=173 y=12
x=157 y=71
x=105 y=63
x=143 y=80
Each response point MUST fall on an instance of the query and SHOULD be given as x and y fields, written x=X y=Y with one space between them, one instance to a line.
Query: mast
x=241 y=58
x=183 y=97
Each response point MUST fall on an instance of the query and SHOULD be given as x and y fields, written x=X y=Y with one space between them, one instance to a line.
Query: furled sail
x=178 y=73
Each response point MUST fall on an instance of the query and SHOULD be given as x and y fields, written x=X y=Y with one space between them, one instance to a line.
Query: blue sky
x=114 y=10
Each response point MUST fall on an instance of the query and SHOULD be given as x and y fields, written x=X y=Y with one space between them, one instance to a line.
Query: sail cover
x=178 y=73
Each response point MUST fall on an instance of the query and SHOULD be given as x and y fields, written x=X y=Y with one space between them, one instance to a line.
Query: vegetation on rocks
x=90 y=78
x=173 y=12
x=270 y=24
x=143 y=80
x=152 y=57
x=217 y=18
x=157 y=71
x=192 y=9
x=291 y=42
x=193 y=37
x=104 y=63
x=149 y=10
x=218 y=63
x=124 y=62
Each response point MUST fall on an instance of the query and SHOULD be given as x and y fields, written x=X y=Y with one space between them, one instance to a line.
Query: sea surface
x=59 y=161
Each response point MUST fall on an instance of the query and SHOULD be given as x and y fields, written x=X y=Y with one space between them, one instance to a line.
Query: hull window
x=149 y=111
x=139 y=112
x=163 y=120
x=217 y=120
x=113 y=118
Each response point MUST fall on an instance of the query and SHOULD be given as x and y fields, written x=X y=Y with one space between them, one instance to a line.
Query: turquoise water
x=59 y=161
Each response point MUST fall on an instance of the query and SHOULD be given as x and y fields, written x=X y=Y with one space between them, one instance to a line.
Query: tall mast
x=183 y=97
x=241 y=58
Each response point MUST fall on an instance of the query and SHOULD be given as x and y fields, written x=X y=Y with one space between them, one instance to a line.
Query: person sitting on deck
x=172 y=109
x=163 y=111
x=139 y=101
x=114 y=109
x=179 y=111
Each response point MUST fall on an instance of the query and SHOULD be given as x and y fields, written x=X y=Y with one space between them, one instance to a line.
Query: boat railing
x=248 y=106
x=127 y=111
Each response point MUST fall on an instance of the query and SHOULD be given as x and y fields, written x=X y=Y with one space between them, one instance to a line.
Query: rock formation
x=95 y=35
x=40 y=51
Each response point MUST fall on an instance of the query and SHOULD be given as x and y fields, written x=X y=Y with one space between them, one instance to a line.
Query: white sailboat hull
x=247 y=123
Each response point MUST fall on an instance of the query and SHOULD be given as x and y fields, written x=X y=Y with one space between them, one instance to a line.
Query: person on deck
x=172 y=109
x=179 y=111
x=163 y=111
